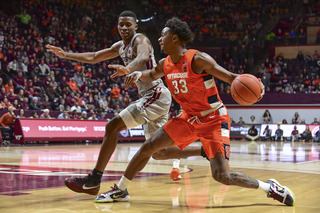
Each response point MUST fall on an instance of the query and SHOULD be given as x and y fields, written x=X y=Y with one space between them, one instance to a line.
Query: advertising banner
x=66 y=130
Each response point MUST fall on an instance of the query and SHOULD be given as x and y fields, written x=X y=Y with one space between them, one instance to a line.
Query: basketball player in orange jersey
x=151 y=110
x=189 y=76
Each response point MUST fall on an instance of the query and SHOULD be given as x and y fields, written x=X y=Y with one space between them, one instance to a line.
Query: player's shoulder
x=140 y=37
x=201 y=55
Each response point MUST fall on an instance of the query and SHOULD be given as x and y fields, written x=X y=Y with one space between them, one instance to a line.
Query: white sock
x=264 y=186
x=176 y=163
x=175 y=201
x=124 y=183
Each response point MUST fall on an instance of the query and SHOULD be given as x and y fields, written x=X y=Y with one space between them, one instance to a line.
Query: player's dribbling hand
x=120 y=70
x=56 y=50
x=131 y=79
x=262 y=90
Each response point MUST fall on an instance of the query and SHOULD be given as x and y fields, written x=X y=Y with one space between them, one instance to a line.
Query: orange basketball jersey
x=195 y=93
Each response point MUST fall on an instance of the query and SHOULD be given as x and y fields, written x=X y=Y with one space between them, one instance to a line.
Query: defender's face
x=127 y=27
x=164 y=40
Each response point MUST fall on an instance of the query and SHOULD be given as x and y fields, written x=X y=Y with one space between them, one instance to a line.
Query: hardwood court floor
x=31 y=179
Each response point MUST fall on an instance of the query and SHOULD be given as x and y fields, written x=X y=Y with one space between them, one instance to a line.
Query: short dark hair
x=128 y=13
x=180 y=28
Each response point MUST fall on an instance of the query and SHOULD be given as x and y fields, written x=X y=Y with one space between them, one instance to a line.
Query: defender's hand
x=56 y=50
x=120 y=70
x=131 y=79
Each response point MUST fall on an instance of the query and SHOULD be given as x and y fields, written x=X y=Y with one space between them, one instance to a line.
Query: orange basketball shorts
x=213 y=130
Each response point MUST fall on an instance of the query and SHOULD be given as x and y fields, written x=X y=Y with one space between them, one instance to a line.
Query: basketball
x=246 y=89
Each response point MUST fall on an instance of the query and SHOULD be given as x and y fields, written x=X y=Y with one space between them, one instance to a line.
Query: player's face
x=127 y=27
x=164 y=40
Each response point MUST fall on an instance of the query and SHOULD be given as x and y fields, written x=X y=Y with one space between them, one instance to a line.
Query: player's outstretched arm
x=204 y=63
x=145 y=76
x=87 y=57
x=143 y=50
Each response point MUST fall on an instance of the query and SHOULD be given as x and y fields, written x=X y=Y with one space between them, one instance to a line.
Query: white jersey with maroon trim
x=128 y=55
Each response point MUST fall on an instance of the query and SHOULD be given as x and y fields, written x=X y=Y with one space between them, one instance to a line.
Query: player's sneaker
x=175 y=174
x=83 y=185
x=280 y=193
x=114 y=195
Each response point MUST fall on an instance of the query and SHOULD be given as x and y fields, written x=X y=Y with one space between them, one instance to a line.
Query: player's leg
x=176 y=154
x=176 y=132
x=149 y=129
x=221 y=173
x=158 y=141
x=91 y=183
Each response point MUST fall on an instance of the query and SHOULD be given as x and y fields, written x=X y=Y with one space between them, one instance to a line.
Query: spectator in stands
x=25 y=103
x=266 y=80
x=279 y=38
x=267 y=118
x=306 y=135
x=279 y=134
x=7 y=121
x=34 y=115
x=300 y=57
x=267 y=133
x=252 y=133
x=71 y=99
x=307 y=58
x=5 y=104
x=19 y=80
x=93 y=117
x=103 y=103
x=292 y=37
x=277 y=70
x=270 y=37
x=316 y=81
x=270 y=69
x=295 y=134
x=9 y=86
x=115 y=94
x=73 y=85
x=241 y=121
x=84 y=115
x=78 y=78
x=315 y=121
x=44 y=68
x=232 y=121
x=74 y=114
x=316 y=137
x=16 y=104
x=24 y=18
x=262 y=68
x=302 y=38
x=52 y=92
x=55 y=105
x=21 y=114
x=34 y=104
x=45 y=114
x=285 y=69
x=296 y=118
x=102 y=116
x=11 y=96
x=288 y=89
x=284 y=121
x=64 y=115
x=252 y=119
